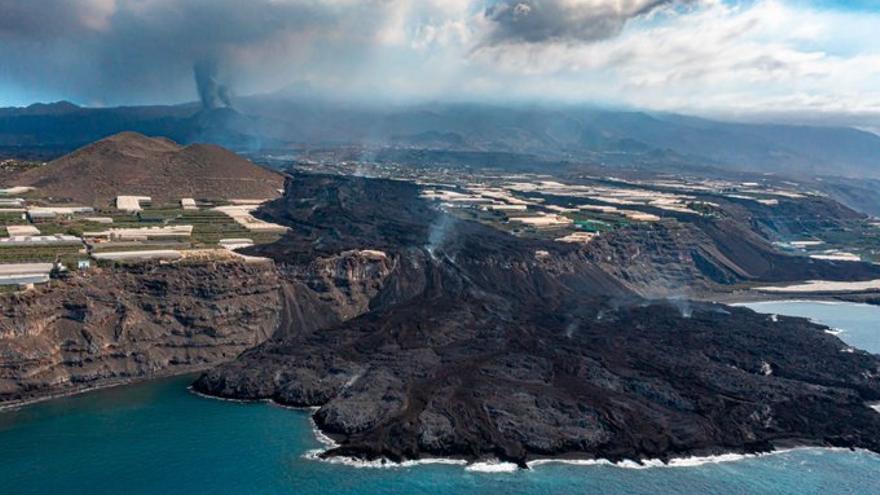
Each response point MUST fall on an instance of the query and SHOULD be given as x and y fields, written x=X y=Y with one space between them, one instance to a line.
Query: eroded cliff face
x=138 y=322
x=331 y=289
x=697 y=259
x=132 y=322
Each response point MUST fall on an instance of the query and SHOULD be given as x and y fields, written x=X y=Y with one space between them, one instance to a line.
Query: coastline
x=19 y=403
x=747 y=295
x=483 y=465
x=476 y=465
x=734 y=299
x=494 y=465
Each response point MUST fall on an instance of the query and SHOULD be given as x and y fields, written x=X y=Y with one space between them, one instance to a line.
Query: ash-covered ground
x=421 y=335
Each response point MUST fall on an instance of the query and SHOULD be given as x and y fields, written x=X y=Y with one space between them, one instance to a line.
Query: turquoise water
x=159 y=438
x=859 y=323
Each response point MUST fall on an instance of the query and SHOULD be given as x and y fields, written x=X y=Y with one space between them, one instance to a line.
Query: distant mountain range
x=562 y=133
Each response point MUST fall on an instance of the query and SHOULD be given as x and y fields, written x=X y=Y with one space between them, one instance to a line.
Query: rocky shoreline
x=103 y=385
x=643 y=416
x=492 y=464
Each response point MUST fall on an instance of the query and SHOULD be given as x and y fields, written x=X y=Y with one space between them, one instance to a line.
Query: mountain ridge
x=130 y=163
x=576 y=133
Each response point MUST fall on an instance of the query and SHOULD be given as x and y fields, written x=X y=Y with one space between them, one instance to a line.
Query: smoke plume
x=212 y=93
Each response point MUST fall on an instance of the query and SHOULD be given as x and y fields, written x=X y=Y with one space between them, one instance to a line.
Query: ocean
x=159 y=438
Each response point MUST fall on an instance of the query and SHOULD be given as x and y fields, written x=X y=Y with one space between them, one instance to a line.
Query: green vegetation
x=588 y=221
x=859 y=237
x=43 y=254
x=10 y=218
x=208 y=228
x=704 y=208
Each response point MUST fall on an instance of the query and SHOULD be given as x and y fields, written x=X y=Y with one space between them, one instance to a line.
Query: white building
x=24 y=274
x=98 y=219
x=40 y=240
x=131 y=203
x=141 y=234
x=11 y=202
x=159 y=254
x=241 y=213
x=19 y=230
x=50 y=212
x=14 y=191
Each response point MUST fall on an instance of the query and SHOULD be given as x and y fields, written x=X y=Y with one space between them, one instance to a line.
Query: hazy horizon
x=788 y=61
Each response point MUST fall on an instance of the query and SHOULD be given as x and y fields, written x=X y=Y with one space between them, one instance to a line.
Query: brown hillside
x=133 y=164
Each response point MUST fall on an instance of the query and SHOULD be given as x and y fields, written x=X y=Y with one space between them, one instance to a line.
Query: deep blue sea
x=158 y=438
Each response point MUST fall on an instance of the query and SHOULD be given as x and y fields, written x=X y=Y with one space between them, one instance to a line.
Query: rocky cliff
x=133 y=322
x=137 y=322
x=700 y=258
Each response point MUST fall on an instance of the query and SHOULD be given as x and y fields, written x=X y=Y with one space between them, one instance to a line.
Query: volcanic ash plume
x=212 y=93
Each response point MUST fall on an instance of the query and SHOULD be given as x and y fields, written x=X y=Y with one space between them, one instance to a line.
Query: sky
x=810 y=60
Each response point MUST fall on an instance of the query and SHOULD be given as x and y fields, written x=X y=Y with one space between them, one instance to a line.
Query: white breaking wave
x=325 y=440
x=681 y=462
x=224 y=399
x=492 y=467
x=652 y=463
x=497 y=466
x=315 y=455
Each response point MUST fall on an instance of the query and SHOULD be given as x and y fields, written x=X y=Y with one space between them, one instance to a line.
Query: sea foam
x=495 y=466
x=492 y=467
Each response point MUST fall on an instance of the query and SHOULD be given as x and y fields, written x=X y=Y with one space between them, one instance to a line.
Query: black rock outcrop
x=470 y=343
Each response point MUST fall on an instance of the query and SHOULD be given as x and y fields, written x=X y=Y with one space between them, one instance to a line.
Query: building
x=25 y=274
x=19 y=230
x=236 y=243
x=543 y=220
x=241 y=213
x=159 y=254
x=506 y=207
x=578 y=238
x=140 y=234
x=98 y=219
x=14 y=191
x=188 y=204
x=131 y=204
x=40 y=240
x=38 y=213
x=11 y=202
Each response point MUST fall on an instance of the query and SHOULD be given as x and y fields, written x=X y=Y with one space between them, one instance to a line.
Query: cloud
x=721 y=57
x=763 y=57
x=42 y=19
x=113 y=51
x=539 y=21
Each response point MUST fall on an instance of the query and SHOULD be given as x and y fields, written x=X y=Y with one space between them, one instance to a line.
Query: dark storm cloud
x=110 y=51
x=538 y=21
x=38 y=19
